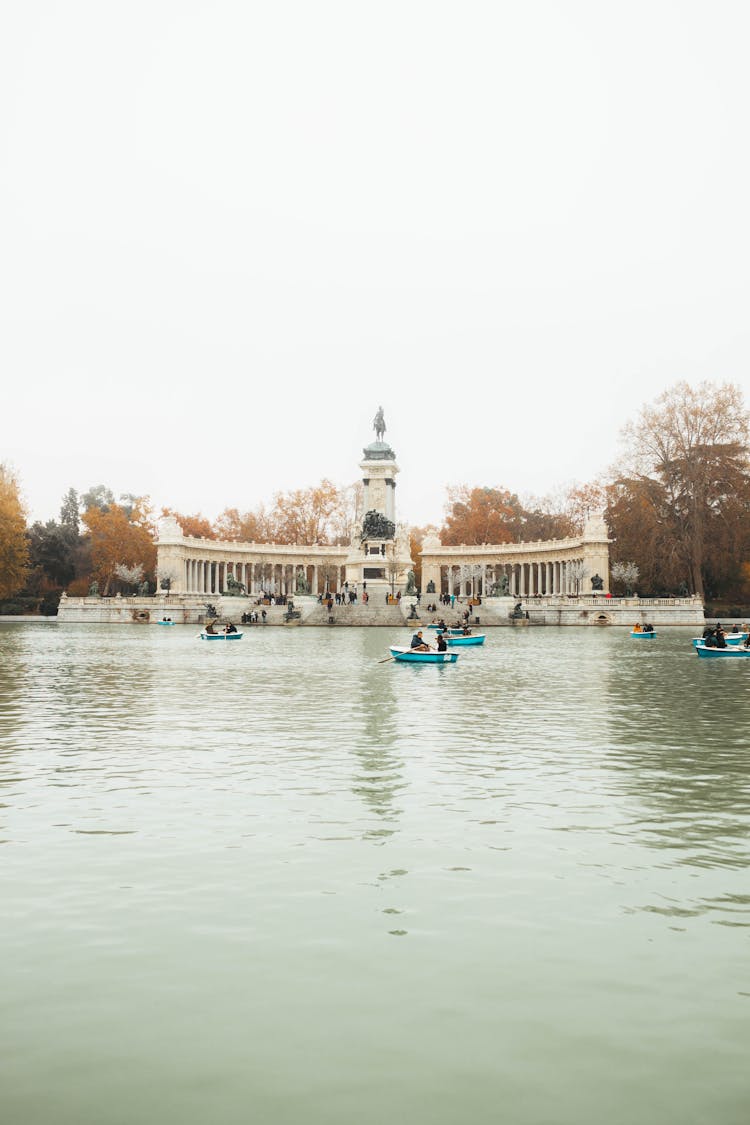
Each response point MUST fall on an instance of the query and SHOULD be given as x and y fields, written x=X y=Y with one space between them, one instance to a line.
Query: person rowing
x=418 y=643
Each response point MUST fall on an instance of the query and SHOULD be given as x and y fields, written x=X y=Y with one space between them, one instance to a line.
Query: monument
x=379 y=559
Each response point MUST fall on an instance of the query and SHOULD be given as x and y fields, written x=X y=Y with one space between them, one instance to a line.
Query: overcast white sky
x=229 y=231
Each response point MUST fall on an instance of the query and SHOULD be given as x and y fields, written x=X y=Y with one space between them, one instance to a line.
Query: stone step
x=389 y=616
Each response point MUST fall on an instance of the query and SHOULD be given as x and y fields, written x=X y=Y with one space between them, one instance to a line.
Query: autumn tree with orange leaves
x=244 y=527
x=119 y=538
x=14 y=550
x=308 y=515
x=479 y=515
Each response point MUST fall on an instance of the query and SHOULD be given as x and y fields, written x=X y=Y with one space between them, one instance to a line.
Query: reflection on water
x=226 y=840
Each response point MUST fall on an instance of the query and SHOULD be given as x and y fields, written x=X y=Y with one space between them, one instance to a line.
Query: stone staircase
x=389 y=616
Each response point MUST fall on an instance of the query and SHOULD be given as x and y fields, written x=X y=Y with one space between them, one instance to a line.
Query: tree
x=479 y=515
x=14 y=549
x=245 y=527
x=130 y=575
x=583 y=499
x=577 y=571
x=328 y=569
x=307 y=515
x=392 y=567
x=117 y=540
x=52 y=550
x=98 y=496
x=627 y=573
x=69 y=513
x=686 y=456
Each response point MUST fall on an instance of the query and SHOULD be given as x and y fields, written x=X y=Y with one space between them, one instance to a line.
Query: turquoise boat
x=166 y=622
x=709 y=653
x=472 y=639
x=730 y=638
x=646 y=636
x=221 y=636
x=413 y=656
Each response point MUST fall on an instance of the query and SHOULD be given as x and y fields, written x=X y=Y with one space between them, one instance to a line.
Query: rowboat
x=413 y=656
x=730 y=638
x=221 y=636
x=738 y=653
x=166 y=622
x=648 y=636
x=472 y=639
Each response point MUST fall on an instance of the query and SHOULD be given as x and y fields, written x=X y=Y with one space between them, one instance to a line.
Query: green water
x=275 y=881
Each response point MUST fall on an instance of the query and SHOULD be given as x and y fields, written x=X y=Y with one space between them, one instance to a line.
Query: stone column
x=314 y=589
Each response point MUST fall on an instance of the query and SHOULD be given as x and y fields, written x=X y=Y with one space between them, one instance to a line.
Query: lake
x=277 y=881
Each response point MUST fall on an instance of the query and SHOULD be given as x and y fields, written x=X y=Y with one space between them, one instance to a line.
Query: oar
x=386 y=660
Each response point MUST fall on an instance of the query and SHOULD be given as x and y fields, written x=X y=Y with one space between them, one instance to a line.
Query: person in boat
x=466 y=630
x=707 y=632
x=442 y=644
x=442 y=624
x=231 y=628
x=648 y=628
x=637 y=627
x=210 y=627
x=710 y=640
x=720 y=637
x=418 y=643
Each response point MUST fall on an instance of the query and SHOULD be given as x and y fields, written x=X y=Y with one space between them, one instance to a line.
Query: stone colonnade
x=211 y=576
x=525 y=579
x=206 y=566
x=551 y=568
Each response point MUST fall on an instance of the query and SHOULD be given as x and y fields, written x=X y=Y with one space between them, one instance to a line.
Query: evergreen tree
x=69 y=515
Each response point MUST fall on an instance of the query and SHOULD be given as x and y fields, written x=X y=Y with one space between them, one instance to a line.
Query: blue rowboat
x=221 y=636
x=434 y=625
x=472 y=639
x=730 y=638
x=738 y=653
x=648 y=636
x=412 y=656
x=166 y=622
